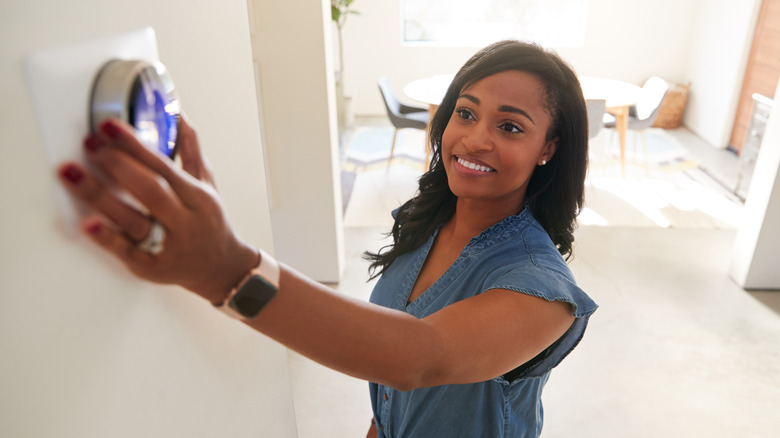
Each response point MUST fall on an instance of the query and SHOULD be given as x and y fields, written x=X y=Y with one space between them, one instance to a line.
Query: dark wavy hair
x=555 y=193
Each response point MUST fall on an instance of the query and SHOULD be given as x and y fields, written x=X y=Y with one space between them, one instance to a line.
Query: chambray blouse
x=515 y=254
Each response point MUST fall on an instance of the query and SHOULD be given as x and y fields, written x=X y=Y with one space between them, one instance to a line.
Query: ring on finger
x=153 y=243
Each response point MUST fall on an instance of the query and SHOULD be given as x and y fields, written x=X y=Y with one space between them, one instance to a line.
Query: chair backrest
x=653 y=92
x=596 y=109
x=392 y=104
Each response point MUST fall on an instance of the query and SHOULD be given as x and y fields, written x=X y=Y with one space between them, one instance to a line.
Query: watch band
x=268 y=269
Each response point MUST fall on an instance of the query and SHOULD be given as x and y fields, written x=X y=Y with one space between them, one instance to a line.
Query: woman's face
x=495 y=139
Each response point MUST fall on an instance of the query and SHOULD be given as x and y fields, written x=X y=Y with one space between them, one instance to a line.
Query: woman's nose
x=479 y=138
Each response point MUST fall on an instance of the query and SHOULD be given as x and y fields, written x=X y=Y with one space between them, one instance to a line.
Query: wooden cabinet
x=762 y=71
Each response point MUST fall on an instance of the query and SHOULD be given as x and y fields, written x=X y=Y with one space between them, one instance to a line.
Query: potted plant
x=339 y=11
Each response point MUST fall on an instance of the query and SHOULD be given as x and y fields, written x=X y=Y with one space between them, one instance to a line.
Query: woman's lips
x=473 y=165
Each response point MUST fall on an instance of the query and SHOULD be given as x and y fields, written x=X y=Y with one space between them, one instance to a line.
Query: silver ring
x=153 y=244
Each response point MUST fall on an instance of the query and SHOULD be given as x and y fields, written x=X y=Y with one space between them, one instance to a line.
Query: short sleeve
x=551 y=285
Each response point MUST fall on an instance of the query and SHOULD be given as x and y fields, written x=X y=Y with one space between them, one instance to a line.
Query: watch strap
x=268 y=268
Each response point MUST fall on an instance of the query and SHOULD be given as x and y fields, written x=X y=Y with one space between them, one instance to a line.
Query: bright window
x=473 y=23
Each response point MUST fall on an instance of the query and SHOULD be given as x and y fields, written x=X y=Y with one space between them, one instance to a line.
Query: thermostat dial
x=142 y=94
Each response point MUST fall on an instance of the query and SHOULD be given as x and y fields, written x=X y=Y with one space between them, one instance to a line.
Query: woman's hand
x=200 y=251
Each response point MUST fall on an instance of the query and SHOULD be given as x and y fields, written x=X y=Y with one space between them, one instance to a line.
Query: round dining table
x=619 y=97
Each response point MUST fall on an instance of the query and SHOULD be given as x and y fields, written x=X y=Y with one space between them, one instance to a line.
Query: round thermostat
x=142 y=94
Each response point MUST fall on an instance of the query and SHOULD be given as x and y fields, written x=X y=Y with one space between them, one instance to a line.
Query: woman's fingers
x=195 y=246
x=118 y=244
x=192 y=160
x=121 y=135
x=92 y=191
x=136 y=178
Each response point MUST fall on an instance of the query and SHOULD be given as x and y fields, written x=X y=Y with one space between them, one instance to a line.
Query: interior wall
x=88 y=350
x=629 y=40
x=723 y=33
x=293 y=52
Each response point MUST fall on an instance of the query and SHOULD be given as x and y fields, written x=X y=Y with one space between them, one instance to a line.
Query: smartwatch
x=255 y=291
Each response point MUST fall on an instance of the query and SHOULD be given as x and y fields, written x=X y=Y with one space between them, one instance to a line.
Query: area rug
x=370 y=146
x=664 y=187
x=659 y=150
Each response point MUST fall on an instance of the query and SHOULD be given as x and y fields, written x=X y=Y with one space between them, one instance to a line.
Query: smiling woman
x=492 y=218
x=475 y=305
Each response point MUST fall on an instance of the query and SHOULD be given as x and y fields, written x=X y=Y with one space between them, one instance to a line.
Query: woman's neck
x=472 y=218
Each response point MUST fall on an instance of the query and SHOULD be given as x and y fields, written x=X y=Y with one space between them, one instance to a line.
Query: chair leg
x=392 y=148
x=644 y=145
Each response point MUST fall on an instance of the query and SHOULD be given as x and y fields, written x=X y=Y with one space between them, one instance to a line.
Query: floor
x=676 y=348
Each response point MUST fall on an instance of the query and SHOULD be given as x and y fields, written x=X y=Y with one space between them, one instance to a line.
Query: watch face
x=253 y=296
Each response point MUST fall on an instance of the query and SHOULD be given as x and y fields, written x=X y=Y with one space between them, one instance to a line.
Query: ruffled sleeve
x=551 y=285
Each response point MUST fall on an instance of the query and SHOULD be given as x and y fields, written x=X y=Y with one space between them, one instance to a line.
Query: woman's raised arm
x=472 y=340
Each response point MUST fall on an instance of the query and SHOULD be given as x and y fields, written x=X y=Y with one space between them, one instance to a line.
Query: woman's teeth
x=474 y=166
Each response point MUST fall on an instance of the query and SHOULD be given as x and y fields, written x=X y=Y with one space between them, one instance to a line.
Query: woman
x=475 y=305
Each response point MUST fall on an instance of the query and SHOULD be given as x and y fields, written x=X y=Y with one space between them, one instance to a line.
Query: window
x=470 y=23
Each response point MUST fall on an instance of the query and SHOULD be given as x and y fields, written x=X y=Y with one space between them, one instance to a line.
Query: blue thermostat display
x=142 y=94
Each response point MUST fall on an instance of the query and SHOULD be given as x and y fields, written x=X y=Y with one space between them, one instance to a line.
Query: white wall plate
x=60 y=82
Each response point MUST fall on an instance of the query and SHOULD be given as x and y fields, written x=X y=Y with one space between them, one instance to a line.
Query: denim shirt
x=515 y=254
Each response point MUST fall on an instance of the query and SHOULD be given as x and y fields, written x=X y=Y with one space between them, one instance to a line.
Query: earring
x=544 y=162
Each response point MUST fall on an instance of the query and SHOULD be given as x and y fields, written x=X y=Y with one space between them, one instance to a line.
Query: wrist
x=258 y=287
x=233 y=272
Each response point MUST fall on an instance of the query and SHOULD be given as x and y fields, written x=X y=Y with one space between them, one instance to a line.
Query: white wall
x=293 y=50
x=628 y=40
x=87 y=350
x=720 y=48
x=702 y=42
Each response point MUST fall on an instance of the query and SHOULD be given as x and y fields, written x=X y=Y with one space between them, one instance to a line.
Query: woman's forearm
x=361 y=339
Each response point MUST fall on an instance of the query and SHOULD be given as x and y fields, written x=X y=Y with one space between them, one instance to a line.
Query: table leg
x=621 y=126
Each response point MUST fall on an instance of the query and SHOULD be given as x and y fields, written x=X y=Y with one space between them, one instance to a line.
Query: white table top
x=431 y=90
x=616 y=93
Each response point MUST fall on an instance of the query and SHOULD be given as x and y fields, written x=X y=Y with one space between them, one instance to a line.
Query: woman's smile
x=471 y=166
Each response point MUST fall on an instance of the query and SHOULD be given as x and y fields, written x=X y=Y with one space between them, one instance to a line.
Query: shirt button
x=385 y=396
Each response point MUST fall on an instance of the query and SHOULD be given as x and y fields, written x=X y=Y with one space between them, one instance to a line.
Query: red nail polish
x=110 y=129
x=94 y=228
x=92 y=144
x=73 y=174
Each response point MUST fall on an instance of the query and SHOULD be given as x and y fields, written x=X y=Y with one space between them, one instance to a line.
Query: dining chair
x=401 y=115
x=642 y=115
x=596 y=109
x=597 y=118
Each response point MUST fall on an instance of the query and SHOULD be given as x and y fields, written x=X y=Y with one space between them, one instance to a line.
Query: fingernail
x=93 y=144
x=93 y=228
x=110 y=129
x=73 y=174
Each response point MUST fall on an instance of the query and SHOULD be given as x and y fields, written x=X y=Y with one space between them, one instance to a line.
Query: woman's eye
x=464 y=114
x=511 y=127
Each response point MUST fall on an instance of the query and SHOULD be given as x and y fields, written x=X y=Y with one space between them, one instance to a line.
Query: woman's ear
x=549 y=150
